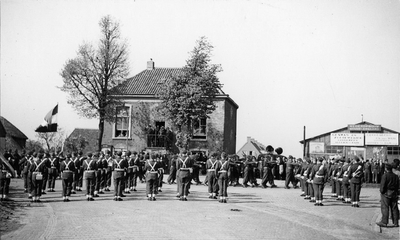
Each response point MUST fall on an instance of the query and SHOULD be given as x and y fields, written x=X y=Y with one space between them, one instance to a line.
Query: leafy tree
x=90 y=77
x=33 y=145
x=188 y=97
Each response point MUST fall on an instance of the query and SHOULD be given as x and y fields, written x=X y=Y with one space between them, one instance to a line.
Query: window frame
x=199 y=135
x=128 y=129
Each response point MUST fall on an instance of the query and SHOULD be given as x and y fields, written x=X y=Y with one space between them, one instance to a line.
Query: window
x=200 y=129
x=122 y=122
x=393 y=150
x=334 y=149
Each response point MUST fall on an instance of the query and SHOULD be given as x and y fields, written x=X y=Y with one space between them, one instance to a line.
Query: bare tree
x=53 y=141
x=90 y=77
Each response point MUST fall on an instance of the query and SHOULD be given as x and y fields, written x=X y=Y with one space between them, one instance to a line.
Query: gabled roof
x=344 y=128
x=88 y=133
x=149 y=83
x=9 y=129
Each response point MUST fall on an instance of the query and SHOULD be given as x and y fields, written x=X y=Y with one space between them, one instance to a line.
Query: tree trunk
x=101 y=131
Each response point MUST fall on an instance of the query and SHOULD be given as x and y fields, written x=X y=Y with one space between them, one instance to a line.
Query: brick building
x=140 y=111
x=362 y=139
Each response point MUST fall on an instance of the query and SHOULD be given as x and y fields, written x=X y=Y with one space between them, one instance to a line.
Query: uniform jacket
x=356 y=173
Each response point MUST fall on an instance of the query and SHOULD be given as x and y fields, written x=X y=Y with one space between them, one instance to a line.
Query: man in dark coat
x=389 y=195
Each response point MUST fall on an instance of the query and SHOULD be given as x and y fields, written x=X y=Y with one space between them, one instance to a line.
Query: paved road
x=254 y=213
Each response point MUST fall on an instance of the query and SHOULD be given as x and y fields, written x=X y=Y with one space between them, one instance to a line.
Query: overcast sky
x=287 y=64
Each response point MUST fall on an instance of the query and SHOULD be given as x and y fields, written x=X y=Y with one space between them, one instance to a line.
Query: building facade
x=363 y=139
x=10 y=136
x=251 y=147
x=140 y=125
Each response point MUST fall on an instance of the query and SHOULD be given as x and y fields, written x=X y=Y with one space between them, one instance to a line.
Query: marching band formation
x=99 y=169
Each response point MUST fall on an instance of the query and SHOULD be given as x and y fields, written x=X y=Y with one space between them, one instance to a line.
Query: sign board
x=364 y=128
x=317 y=147
x=381 y=139
x=347 y=139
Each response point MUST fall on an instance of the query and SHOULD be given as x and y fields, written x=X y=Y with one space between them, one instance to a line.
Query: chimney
x=248 y=139
x=150 y=64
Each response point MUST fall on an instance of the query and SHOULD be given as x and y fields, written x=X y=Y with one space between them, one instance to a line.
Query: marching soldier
x=290 y=173
x=211 y=165
x=119 y=169
x=355 y=174
x=67 y=169
x=89 y=168
x=319 y=175
x=184 y=169
x=222 y=170
x=37 y=169
x=248 y=171
x=53 y=171
x=268 y=177
x=151 y=167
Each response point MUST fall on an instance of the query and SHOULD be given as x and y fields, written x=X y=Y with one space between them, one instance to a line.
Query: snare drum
x=89 y=174
x=67 y=174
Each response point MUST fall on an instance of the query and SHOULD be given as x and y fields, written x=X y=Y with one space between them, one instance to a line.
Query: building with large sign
x=362 y=139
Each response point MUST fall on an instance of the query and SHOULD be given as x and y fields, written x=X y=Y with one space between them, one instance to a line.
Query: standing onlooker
x=389 y=196
x=367 y=171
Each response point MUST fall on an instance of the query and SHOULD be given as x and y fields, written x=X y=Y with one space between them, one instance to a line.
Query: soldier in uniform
x=310 y=187
x=129 y=173
x=339 y=180
x=110 y=163
x=290 y=164
x=303 y=177
x=319 y=175
x=331 y=175
x=46 y=160
x=345 y=181
x=67 y=168
x=172 y=170
x=151 y=167
x=5 y=179
x=98 y=173
x=222 y=170
x=80 y=171
x=53 y=171
x=160 y=172
x=89 y=168
x=389 y=188
x=119 y=168
x=355 y=174
x=37 y=169
x=211 y=165
x=248 y=171
x=26 y=161
x=184 y=169
x=78 y=165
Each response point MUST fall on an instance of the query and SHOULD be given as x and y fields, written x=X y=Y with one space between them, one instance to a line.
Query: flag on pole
x=50 y=122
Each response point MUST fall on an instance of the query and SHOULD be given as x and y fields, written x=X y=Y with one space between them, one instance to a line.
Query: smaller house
x=90 y=136
x=10 y=136
x=251 y=147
